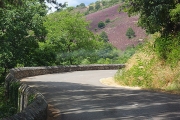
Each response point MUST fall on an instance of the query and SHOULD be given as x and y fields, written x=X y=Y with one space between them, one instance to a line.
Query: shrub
x=104 y=36
x=107 y=20
x=86 y=13
x=97 y=5
x=82 y=5
x=101 y=24
x=91 y=8
x=130 y=33
x=168 y=48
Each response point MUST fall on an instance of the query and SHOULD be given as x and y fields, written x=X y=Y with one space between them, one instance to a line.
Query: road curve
x=80 y=96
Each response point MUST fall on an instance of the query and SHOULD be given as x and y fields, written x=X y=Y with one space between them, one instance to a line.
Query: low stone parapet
x=31 y=103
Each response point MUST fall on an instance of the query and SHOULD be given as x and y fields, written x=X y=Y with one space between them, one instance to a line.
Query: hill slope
x=116 y=29
x=145 y=69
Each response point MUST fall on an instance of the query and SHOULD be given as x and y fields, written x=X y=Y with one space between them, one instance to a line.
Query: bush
x=168 y=48
x=86 y=13
x=91 y=8
x=130 y=33
x=97 y=5
x=101 y=24
x=82 y=5
x=107 y=20
x=104 y=36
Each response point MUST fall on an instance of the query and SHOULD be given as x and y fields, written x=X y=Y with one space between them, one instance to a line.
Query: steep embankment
x=145 y=69
x=117 y=27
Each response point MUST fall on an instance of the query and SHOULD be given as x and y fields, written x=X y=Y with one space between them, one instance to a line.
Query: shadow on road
x=87 y=102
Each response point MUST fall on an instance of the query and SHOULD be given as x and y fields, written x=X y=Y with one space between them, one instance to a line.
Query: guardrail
x=32 y=104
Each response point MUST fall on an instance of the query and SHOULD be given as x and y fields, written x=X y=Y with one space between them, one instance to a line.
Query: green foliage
x=70 y=9
x=104 y=3
x=168 y=48
x=101 y=24
x=154 y=15
x=114 y=56
x=31 y=99
x=14 y=93
x=91 y=8
x=141 y=70
x=82 y=5
x=104 y=36
x=124 y=56
x=146 y=70
x=86 y=13
x=138 y=75
x=175 y=14
x=107 y=20
x=130 y=33
x=20 y=31
x=9 y=107
x=97 y=5
x=68 y=36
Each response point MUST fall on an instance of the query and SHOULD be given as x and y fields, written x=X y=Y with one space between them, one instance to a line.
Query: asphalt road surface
x=80 y=96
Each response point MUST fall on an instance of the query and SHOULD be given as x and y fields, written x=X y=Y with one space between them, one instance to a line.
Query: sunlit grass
x=146 y=70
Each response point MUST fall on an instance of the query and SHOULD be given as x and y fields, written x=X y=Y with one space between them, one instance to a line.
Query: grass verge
x=147 y=70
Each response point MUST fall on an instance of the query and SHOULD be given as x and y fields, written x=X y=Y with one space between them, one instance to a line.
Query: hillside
x=147 y=70
x=116 y=29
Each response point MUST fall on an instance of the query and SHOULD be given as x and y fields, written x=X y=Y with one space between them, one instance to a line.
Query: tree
x=21 y=29
x=154 y=15
x=82 y=5
x=91 y=8
x=18 y=3
x=130 y=33
x=97 y=5
x=104 y=3
x=175 y=17
x=101 y=24
x=68 y=36
x=104 y=36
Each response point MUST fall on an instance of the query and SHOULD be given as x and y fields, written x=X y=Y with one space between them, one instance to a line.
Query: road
x=80 y=96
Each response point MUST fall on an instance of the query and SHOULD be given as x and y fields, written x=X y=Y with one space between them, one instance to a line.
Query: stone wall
x=32 y=105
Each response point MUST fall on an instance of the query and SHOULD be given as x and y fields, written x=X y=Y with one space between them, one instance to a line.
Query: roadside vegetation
x=30 y=37
x=156 y=64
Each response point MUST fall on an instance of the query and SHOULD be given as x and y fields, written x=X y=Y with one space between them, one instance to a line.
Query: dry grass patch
x=146 y=70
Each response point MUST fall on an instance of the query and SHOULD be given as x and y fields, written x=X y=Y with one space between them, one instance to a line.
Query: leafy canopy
x=101 y=24
x=21 y=28
x=154 y=14
x=67 y=32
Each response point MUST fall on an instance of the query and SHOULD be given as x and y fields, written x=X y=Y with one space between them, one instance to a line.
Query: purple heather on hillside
x=117 y=27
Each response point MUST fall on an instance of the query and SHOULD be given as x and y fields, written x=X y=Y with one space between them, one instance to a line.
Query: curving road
x=80 y=96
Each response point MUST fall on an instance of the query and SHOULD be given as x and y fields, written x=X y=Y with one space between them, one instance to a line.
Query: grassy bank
x=147 y=69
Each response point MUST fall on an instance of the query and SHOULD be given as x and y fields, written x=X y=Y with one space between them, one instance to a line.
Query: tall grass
x=149 y=68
